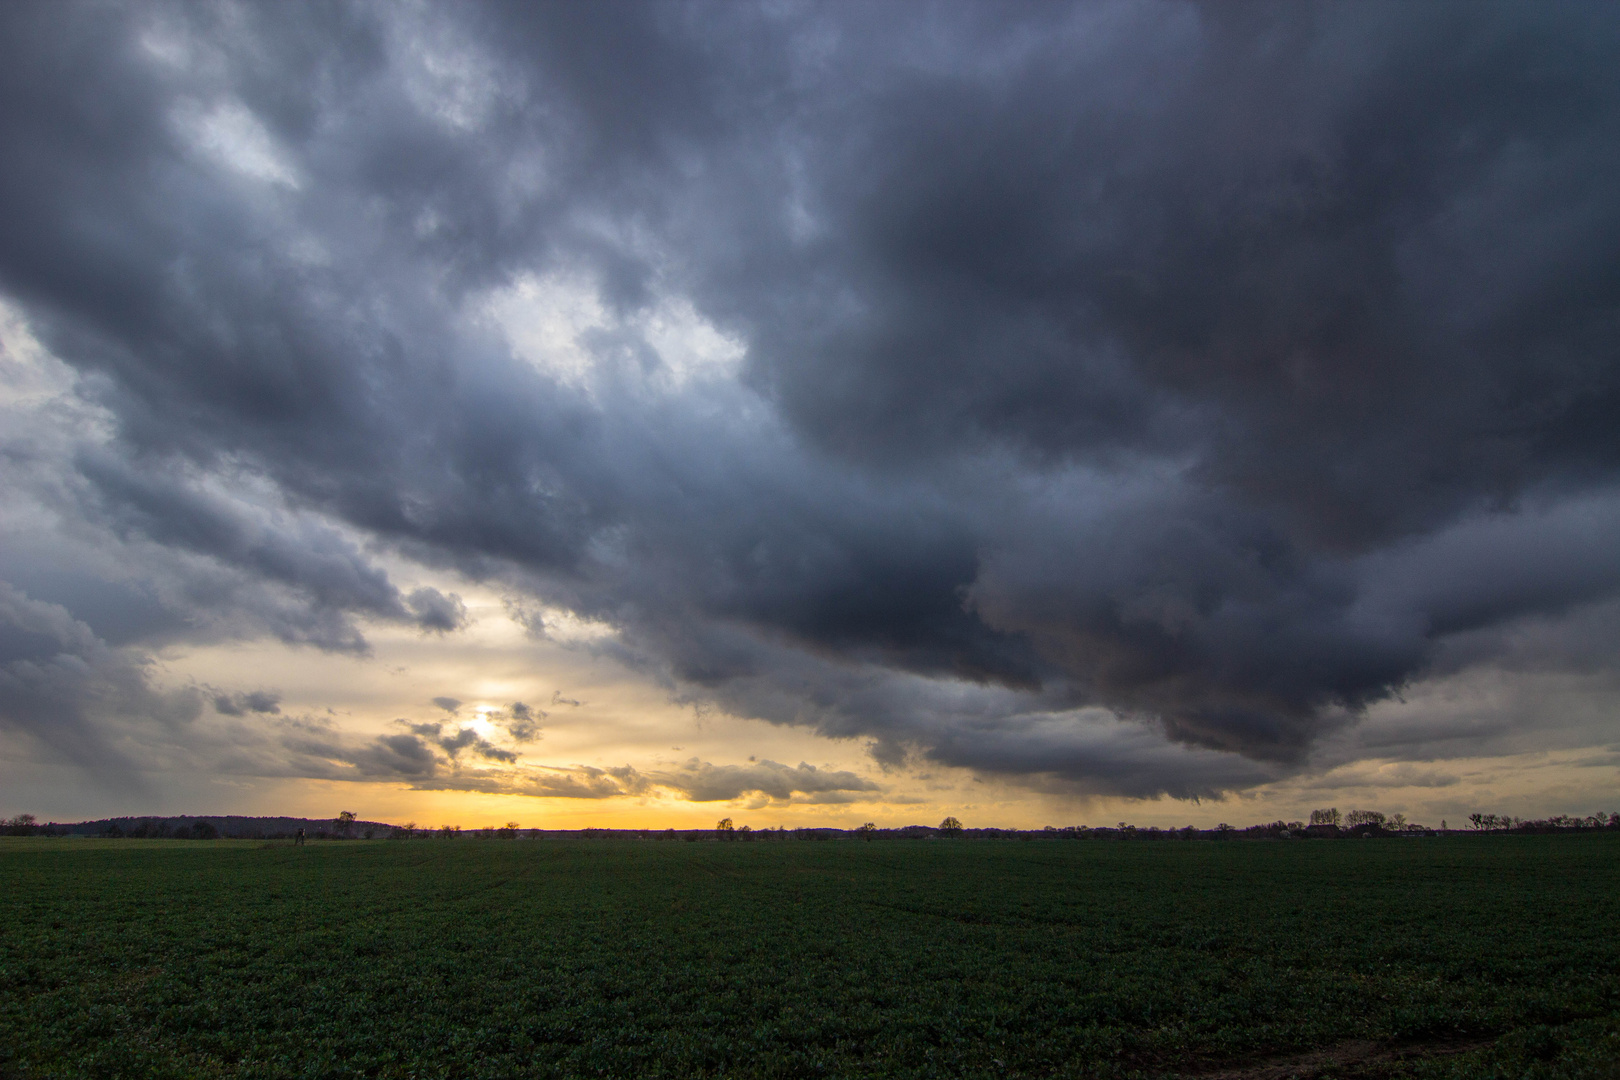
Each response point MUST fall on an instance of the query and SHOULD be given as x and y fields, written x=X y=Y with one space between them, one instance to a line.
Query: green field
x=1462 y=956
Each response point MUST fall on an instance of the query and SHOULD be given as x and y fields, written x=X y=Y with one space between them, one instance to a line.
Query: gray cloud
x=63 y=688
x=452 y=743
x=436 y=611
x=693 y=780
x=313 y=561
x=578 y=782
x=522 y=722
x=255 y=701
x=1224 y=369
x=397 y=756
x=701 y=781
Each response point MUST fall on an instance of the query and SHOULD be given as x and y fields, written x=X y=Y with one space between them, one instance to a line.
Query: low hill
x=231 y=825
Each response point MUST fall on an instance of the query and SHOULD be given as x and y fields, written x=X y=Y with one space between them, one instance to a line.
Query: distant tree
x=1363 y=817
x=725 y=830
x=1329 y=816
x=204 y=830
x=21 y=825
x=951 y=827
x=344 y=822
x=510 y=831
x=1495 y=822
x=1397 y=821
x=744 y=832
x=668 y=834
x=868 y=830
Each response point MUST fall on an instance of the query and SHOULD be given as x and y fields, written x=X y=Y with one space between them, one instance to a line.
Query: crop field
x=1477 y=956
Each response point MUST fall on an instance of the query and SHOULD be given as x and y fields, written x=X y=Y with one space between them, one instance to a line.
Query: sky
x=637 y=414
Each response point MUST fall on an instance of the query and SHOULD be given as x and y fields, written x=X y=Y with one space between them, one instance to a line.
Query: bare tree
x=951 y=827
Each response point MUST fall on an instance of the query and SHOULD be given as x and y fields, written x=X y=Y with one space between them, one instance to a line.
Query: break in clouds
x=1117 y=396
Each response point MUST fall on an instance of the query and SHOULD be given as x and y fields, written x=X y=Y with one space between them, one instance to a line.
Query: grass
x=903 y=958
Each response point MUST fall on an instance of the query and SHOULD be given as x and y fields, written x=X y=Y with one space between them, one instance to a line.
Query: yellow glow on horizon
x=624 y=719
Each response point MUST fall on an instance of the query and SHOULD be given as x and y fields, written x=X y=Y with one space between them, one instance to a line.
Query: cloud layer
x=1125 y=396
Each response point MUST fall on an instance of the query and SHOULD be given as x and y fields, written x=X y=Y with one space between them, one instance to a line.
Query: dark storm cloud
x=1037 y=735
x=1211 y=366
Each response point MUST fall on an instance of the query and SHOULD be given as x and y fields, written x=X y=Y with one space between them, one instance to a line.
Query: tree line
x=1322 y=823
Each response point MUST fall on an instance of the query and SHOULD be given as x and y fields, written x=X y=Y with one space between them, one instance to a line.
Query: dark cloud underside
x=1161 y=361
